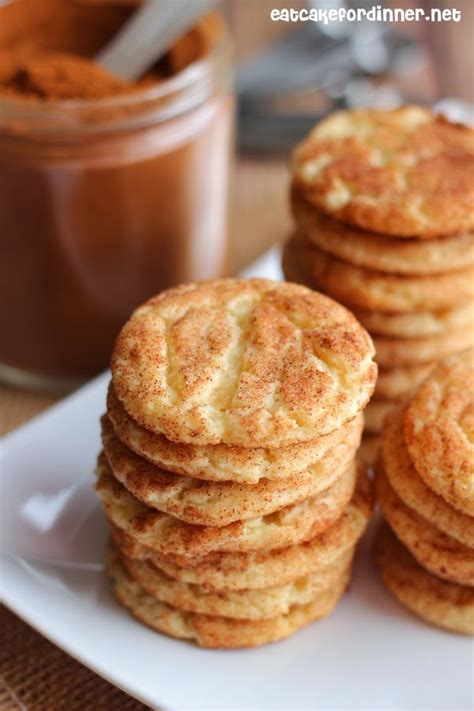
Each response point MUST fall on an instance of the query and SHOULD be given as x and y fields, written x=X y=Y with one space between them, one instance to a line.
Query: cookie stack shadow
x=228 y=472
x=382 y=203
x=425 y=487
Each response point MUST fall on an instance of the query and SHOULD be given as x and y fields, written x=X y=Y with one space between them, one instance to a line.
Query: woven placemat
x=37 y=676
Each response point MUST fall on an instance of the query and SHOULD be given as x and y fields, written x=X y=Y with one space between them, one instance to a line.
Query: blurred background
x=289 y=75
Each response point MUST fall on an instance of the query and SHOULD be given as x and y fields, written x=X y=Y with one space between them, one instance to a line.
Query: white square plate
x=370 y=654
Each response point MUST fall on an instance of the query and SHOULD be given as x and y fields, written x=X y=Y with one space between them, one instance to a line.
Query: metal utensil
x=326 y=72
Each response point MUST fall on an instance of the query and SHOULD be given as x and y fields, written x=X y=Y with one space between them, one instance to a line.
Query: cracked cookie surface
x=437 y=601
x=373 y=290
x=221 y=571
x=439 y=553
x=379 y=252
x=168 y=535
x=211 y=503
x=223 y=462
x=412 y=490
x=439 y=430
x=243 y=362
x=216 y=632
x=406 y=172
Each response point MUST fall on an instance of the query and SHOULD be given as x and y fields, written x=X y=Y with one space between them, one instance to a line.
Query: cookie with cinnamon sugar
x=405 y=172
x=243 y=362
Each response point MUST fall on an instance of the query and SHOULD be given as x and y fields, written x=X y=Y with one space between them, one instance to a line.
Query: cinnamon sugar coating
x=242 y=362
x=437 y=601
x=439 y=430
x=406 y=172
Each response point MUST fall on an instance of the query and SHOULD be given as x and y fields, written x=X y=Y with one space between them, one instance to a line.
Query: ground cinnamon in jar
x=56 y=76
x=109 y=191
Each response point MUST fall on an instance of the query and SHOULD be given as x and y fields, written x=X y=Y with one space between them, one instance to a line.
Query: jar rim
x=198 y=78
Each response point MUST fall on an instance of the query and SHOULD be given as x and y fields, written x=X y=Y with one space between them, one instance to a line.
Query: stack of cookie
x=425 y=486
x=228 y=467
x=383 y=204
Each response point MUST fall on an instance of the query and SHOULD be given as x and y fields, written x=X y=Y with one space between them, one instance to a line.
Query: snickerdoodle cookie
x=376 y=251
x=240 y=604
x=396 y=382
x=434 y=550
x=439 y=430
x=394 y=352
x=437 y=601
x=373 y=290
x=405 y=172
x=242 y=362
x=261 y=569
x=221 y=462
x=417 y=324
x=410 y=487
x=217 y=632
x=210 y=503
x=168 y=535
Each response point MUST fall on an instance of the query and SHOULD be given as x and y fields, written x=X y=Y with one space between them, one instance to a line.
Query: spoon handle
x=148 y=35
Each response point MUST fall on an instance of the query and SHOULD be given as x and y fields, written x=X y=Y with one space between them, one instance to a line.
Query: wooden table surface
x=34 y=674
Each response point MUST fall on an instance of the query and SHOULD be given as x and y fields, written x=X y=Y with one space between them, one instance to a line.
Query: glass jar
x=104 y=203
